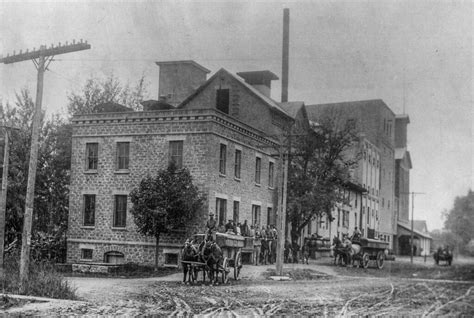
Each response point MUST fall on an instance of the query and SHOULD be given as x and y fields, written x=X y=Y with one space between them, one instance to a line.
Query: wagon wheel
x=365 y=260
x=380 y=259
x=225 y=271
x=237 y=265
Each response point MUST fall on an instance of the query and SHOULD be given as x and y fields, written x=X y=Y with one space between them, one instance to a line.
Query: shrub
x=44 y=280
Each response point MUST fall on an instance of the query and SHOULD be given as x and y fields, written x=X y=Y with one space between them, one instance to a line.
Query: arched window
x=114 y=257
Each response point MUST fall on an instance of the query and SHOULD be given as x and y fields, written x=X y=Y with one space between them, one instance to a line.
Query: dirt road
x=319 y=289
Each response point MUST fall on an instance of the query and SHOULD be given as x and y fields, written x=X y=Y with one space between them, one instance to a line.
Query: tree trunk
x=156 y=251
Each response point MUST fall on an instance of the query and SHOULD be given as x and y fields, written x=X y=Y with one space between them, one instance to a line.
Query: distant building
x=421 y=238
x=375 y=123
x=223 y=130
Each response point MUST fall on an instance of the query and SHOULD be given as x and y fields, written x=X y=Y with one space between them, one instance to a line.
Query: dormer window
x=222 y=100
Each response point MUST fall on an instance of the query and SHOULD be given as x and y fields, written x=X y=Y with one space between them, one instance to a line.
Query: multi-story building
x=375 y=123
x=223 y=131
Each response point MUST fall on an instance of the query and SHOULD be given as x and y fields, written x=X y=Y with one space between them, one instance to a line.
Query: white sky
x=339 y=51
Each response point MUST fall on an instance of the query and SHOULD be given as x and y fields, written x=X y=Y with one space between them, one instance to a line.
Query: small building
x=421 y=238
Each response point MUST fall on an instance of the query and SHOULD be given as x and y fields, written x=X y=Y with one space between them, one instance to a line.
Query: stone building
x=375 y=123
x=223 y=131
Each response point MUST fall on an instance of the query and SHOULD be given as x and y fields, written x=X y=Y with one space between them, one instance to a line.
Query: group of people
x=268 y=232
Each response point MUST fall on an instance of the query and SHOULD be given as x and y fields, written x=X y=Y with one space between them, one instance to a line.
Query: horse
x=340 y=254
x=189 y=253
x=213 y=257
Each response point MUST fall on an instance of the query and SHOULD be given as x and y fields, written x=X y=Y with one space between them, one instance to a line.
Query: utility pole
x=41 y=58
x=3 y=195
x=412 y=214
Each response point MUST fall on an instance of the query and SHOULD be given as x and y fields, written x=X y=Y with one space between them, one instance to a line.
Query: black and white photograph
x=236 y=158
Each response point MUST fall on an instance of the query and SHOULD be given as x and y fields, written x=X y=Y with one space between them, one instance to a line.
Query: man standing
x=211 y=228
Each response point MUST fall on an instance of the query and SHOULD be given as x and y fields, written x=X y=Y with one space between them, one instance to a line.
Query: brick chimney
x=179 y=79
x=260 y=80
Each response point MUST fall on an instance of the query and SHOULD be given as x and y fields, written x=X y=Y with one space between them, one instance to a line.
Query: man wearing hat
x=211 y=227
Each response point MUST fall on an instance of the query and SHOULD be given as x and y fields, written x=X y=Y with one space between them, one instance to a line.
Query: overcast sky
x=339 y=51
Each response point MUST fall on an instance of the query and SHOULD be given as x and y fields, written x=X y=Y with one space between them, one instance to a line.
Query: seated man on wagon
x=356 y=235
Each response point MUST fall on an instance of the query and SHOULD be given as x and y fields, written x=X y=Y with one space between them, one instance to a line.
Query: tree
x=320 y=167
x=460 y=219
x=165 y=202
x=98 y=91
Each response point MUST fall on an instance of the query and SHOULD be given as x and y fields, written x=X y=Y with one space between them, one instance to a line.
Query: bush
x=43 y=280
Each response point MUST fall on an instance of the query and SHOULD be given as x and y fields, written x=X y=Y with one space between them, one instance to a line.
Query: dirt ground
x=319 y=289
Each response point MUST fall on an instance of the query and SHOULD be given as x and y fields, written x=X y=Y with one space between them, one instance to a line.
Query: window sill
x=119 y=229
x=122 y=171
x=88 y=227
x=271 y=188
x=258 y=185
x=91 y=171
x=85 y=260
x=237 y=179
x=223 y=175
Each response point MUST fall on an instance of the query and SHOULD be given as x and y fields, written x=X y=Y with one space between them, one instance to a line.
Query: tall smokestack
x=286 y=49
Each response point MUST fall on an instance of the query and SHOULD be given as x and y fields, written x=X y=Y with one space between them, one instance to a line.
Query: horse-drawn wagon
x=364 y=250
x=213 y=258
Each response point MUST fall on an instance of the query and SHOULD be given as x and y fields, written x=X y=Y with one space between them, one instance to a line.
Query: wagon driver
x=211 y=228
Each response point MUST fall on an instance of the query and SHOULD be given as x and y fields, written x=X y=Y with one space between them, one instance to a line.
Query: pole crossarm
x=43 y=51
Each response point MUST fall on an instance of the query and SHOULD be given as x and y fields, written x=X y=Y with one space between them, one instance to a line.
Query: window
x=89 y=210
x=256 y=209
x=236 y=211
x=258 y=169
x=222 y=159
x=222 y=100
x=221 y=210
x=271 y=168
x=92 y=154
x=120 y=211
x=123 y=152
x=388 y=204
x=345 y=219
x=355 y=219
x=238 y=162
x=86 y=253
x=338 y=217
x=270 y=220
x=383 y=202
x=176 y=153
x=309 y=228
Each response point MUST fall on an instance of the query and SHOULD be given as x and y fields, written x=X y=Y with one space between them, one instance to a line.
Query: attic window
x=222 y=100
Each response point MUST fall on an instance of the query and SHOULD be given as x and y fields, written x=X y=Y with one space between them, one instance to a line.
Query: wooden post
x=280 y=227
x=39 y=58
x=3 y=198
x=30 y=190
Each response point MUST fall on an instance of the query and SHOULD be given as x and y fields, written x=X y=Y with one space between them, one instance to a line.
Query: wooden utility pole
x=3 y=195
x=41 y=58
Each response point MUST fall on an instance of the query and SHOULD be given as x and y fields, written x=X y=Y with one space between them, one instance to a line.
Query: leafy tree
x=165 y=202
x=460 y=219
x=320 y=167
x=97 y=91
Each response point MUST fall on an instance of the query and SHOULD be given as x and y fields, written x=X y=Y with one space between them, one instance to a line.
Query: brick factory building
x=223 y=130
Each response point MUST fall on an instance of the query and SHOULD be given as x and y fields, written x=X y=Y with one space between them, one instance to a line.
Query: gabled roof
x=111 y=107
x=267 y=100
x=403 y=154
x=292 y=108
x=407 y=226
x=314 y=109
x=420 y=225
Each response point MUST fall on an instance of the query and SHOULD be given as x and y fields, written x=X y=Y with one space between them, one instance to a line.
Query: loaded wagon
x=231 y=263
x=367 y=250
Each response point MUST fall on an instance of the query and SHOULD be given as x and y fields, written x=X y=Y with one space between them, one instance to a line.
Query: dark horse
x=189 y=253
x=212 y=255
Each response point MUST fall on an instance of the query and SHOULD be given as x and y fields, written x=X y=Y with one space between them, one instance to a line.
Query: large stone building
x=223 y=130
x=375 y=123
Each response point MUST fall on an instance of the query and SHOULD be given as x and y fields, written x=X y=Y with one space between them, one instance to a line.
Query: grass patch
x=43 y=279
x=127 y=270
